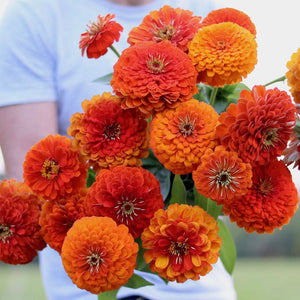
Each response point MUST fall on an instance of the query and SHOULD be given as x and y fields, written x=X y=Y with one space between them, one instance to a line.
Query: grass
x=255 y=279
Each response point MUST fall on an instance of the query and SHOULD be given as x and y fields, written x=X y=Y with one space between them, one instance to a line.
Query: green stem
x=213 y=95
x=282 y=78
x=114 y=50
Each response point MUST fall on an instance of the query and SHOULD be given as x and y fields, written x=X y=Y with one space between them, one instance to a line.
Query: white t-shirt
x=40 y=60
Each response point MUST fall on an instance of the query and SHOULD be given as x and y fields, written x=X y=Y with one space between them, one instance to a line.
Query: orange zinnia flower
x=173 y=24
x=180 y=136
x=53 y=169
x=20 y=237
x=270 y=203
x=222 y=175
x=153 y=76
x=57 y=217
x=181 y=242
x=100 y=36
x=108 y=135
x=258 y=127
x=229 y=15
x=223 y=53
x=129 y=195
x=293 y=75
x=98 y=255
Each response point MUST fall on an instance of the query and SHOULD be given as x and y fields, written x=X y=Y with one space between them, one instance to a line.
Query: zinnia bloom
x=57 y=217
x=153 y=76
x=222 y=175
x=223 y=53
x=181 y=243
x=229 y=15
x=99 y=36
x=129 y=195
x=108 y=135
x=258 y=127
x=20 y=237
x=52 y=169
x=98 y=255
x=293 y=75
x=292 y=152
x=270 y=203
x=173 y=24
x=180 y=136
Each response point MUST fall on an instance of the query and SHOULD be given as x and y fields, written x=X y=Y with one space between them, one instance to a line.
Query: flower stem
x=282 y=78
x=114 y=50
x=213 y=95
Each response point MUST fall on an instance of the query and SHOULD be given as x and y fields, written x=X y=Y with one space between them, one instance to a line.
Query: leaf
x=213 y=208
x=178 y=192
x=228 y=250
x=104 y=79
x=136 y=281
x=141 y=265
x=199 y=199
x=111 y=295
x=91 y=177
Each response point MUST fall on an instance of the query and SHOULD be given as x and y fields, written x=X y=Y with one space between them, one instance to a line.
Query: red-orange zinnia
x=223 y=53
x=293 y=75
x=173 y=24
x=181 y=242
x=153 y=76
x=20 y=237
x=270 y=203
x=129 y=195
x=180 y=136
x=108 y=135
x=99 y=36
x=98 y=255
x=258 y=127
x=52 y=169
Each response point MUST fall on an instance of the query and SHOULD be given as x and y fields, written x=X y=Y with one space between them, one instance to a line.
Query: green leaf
x=111 y=295
x=199 y=199
x=136 y=281
x=91 y=177
x=104 y=79
x=213 y=208
x=141 y=265
x=228 y=250
x=178 y=192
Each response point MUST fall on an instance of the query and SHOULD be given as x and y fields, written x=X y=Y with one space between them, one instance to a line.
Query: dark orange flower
x=129 y=195
x=222 y=175
x=293 y=75
x=270 y=203
x=108 y=135
x=53 y=169
x=229 y=15
x=99 y=36
x=180 y=136
x=57 y=217
x=153 y=76
x=20 y=237
x=173 y=24
x=258 y=127
x=223 y=53
x=181 y=242
x=98 y=255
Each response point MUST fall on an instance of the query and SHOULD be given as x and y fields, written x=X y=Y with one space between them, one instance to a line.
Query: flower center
x=179 y=248
x=270 y=137
x=50 y=169
x=186 y=126
x=265 y=186
x=223 y=178
x=112 y=131
x=94 y=260
x=164 y=33
x=156 y=65
x=127 y=209
x=5 y=232
x=221 y=45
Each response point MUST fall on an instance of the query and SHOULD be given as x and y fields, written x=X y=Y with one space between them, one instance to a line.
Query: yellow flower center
x=112 y=131
x=179 y=248
x=127 y=208
x=221 y=45
x=94 y=260
x=186 y=126
x=223 y=178
x=164 y=33
x=5 y=232
x=50 y=169
x=270 y=137
x=156 y=65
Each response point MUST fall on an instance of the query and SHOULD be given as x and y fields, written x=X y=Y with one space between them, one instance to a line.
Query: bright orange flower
x=181 y=242
x=20 y=237
x=258 y=127
x=129 y=195
x=223 y=53
x=229 y=15
x=180 y=136
x=108 y=135
x=270 y=203
x=98 y=255
x=173 y=24
x=57 y=217
x=53 y=169
x=222 y=175
x=100 y=36
x=293 y=75
x=153 y=76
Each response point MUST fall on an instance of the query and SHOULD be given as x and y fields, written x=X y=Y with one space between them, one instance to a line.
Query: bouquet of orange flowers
x=178 y=113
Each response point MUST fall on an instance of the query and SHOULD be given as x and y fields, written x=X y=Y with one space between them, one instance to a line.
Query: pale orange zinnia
x=293 y=75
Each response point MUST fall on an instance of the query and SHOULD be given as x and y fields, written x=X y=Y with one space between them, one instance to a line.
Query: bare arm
x=21 y=126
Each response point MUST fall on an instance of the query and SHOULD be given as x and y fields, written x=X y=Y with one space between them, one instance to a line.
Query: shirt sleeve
x=27 y=60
